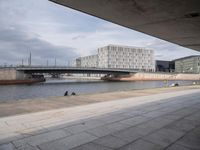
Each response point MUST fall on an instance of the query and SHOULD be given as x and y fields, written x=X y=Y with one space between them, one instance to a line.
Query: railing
x=40 y=67
x=73 y=68
x=24 y=67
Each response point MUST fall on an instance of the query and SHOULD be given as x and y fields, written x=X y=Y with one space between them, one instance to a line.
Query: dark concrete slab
x=174 y=21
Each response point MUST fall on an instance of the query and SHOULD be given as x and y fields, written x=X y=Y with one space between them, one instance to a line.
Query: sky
x=50 y=31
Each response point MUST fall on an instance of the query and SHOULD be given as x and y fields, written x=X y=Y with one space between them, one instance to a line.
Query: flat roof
x=187 y=57
x=125 y=46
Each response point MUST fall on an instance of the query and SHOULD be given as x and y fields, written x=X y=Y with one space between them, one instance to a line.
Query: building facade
x=87 y=61
x=165 y=66
x=126 y=57
x=190 y=64
x=78 y=62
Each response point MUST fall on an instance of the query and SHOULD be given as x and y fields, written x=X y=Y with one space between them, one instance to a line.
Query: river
x=57 y=87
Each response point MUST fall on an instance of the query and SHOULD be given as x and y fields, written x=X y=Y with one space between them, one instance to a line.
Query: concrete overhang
x=176 y=21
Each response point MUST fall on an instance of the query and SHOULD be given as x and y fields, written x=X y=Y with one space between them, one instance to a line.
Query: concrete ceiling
x=176 y=21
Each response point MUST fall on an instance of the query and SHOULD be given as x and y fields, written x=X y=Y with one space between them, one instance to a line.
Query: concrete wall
x=12 y=74
x=158 y=76
x=21 y=76
x=8 y=74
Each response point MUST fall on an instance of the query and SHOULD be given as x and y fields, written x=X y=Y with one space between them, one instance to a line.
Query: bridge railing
x=40 y=67
x=73 y=68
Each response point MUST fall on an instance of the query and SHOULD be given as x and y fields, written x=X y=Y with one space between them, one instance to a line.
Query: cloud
x=16 y=45
x=18 y=37
x=169 y=51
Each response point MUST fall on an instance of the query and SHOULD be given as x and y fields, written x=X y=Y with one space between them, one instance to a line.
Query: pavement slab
x=110 y=141
x=8 y=146
x=141 y=145
x=191 y=140
x=68 y=142
x=129 y=134
x=91 y=146
x=41 y=138
x=164 y=137
x=177 y=147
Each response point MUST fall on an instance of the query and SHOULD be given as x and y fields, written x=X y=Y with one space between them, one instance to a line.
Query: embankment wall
x=11 y=74
x=157 y=76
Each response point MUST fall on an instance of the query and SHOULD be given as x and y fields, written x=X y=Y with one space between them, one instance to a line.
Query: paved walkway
x=168 y=121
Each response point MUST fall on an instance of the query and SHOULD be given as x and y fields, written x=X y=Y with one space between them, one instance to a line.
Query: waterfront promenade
x=165 y=118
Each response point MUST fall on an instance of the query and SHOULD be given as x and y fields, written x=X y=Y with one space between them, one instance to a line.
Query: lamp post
x=55 y=62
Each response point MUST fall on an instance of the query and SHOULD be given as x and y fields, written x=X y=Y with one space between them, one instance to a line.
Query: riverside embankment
x=57 y=87
x=11 y=108
x=155 y=76
x=12 y=76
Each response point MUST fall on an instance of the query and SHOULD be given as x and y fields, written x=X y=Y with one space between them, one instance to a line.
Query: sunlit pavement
x=160 y=121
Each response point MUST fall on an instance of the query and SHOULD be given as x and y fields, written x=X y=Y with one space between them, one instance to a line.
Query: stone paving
x=167 y=121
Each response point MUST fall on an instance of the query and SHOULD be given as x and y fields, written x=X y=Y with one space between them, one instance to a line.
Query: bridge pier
x=13 y=74
x=55 y=75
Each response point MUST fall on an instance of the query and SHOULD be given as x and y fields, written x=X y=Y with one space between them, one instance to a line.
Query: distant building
x=190 y=64
x=124 y=57
x=78 y=62
x=165 y=66
x=87 y=61
x=115 y=56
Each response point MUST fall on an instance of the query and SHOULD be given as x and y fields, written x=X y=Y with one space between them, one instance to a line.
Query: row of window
x=128 y=49
x=125 y=66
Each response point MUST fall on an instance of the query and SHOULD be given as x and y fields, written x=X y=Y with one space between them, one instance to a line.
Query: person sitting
x=73 y=93
x=176 y=84
x=66 y=93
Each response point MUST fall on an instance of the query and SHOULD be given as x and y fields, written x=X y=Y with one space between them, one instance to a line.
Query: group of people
x=66 y=93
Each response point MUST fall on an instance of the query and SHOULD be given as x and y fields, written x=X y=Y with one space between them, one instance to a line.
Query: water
x=59 y=86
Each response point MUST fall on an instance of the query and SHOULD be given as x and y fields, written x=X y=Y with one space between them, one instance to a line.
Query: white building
x=115 y=56
x=87 y=61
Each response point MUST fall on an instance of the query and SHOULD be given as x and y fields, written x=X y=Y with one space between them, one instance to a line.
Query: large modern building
x=190 y=64
x=115 y=56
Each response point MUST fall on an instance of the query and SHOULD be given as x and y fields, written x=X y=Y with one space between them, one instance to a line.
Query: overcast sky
x=50 y=31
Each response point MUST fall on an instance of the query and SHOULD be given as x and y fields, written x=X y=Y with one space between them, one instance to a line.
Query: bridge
x=74 y=70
